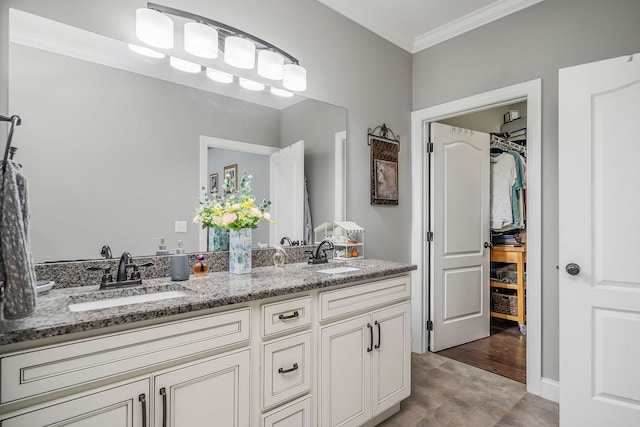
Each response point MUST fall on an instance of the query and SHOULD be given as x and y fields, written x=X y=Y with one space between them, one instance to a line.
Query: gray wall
x=113 y=155
x=530 y=44
x=299 y=122
x=256 y=165
x=346 y=64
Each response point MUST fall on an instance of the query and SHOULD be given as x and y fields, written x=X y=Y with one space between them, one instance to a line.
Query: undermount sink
x=338 y=270
x=100 y=301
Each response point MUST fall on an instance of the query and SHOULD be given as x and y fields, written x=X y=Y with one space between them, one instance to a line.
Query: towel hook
x=15 y=121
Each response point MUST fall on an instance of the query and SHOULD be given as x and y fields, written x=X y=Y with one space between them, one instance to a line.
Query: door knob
x=488 y=244
x=572 y=269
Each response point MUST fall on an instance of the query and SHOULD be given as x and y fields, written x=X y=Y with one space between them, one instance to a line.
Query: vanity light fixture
x=239 y=52
x=250 y=84
x=219 y=76
x=145 y=51
x=201 y=39
x=154 y=28
x=281 y=92
x=186 y=66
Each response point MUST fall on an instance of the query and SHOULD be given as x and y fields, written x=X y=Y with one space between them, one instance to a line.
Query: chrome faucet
x=320 y=255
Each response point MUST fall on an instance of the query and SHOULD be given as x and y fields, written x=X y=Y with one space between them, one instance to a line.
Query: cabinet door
x=214 y=392
x=391 y=356
x=345 y=373
x=126 y=405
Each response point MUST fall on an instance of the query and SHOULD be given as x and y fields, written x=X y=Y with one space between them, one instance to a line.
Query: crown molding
x=469 y=22
x=394 y=34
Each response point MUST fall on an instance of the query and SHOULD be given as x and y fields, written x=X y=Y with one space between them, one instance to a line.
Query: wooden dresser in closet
x=516 y=255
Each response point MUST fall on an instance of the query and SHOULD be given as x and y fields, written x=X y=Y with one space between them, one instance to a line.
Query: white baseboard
x=550 y=389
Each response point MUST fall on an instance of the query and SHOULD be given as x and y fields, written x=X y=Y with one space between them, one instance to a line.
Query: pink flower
x=228 y=218
x=256 y=212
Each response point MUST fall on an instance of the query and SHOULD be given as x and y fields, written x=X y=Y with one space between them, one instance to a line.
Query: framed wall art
x=213 y=183
x=384 y=166
x=231 y=173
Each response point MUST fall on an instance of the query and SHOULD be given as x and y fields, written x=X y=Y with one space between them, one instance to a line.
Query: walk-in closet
x=504 y=351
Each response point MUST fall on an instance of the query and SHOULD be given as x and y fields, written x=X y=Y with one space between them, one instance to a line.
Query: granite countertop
x=53 y=317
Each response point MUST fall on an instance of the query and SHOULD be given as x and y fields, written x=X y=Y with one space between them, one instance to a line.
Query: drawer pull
x=284 y=371
x=292 y=316
x=379 y=334
x=143 y=400
x=163 y=393
x=370 y=349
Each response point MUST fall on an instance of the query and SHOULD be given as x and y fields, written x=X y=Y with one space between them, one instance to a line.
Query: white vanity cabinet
x=215 y=391
x=337 y=356
x=286 y=362
x=365 y=356
x=124 y=405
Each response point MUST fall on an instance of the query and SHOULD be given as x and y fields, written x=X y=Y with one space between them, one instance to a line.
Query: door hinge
x=429 y=147
x=429 y=236
x=429 y=325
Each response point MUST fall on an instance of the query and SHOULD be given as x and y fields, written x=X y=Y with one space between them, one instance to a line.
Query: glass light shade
x=146 y=51
x=219 y=76
x=250 y=84
x=186 y=66
x=201 y=40
x=281 y=92
x=239 y=52
x=295 y=77
x=270 y=65
x=154 y=28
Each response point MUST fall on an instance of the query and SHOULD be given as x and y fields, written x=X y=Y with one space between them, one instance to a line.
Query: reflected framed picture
x=213 y=183
x=231 y=173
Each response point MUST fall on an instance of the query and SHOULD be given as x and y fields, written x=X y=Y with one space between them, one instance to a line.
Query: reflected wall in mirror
x=110 y=141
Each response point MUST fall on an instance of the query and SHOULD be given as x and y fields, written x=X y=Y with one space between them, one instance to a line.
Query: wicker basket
x=504 y=303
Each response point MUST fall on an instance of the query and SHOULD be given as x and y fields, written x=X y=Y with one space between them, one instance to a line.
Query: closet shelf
x=515 y=255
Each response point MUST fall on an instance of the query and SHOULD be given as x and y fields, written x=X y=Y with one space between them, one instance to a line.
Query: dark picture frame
x=384 y=170
x=213 y=183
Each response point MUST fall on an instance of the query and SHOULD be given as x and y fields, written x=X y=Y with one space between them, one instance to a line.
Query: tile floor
x=449 y=393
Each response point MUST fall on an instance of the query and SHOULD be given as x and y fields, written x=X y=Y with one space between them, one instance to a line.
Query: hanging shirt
x=516 y=191
x=503 y=177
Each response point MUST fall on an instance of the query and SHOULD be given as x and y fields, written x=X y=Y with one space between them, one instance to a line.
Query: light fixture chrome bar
x=220 y=26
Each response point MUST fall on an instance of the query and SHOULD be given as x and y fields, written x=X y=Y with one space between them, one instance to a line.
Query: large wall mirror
x=111 y=141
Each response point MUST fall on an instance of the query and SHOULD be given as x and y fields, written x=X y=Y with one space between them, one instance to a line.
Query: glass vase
x=240 y=251
x=218 y=239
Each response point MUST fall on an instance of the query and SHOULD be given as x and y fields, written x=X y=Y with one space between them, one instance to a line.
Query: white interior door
x=287 y=193
x=599 y=150
x=459 y=277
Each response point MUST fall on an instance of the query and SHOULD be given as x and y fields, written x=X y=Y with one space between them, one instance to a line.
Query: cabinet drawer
x=286 y=315
x=363 y=297
x=286 y=369
x=296 y=414
x=57 y=367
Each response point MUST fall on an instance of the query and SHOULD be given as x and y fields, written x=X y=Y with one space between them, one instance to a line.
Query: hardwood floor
x=503 y=353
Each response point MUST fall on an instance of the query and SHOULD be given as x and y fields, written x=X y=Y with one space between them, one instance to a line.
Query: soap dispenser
x=162 y=249
x=180 y=264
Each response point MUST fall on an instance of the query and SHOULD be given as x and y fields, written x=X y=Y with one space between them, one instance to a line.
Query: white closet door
x=460 y=192
x=287 y=193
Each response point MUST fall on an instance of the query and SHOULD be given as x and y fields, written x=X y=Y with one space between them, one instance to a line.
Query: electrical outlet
x=181 y=226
